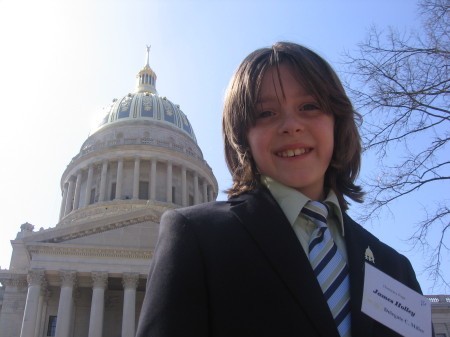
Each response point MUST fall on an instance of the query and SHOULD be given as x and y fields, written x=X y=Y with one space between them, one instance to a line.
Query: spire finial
x=146 y=78
x=148 y=55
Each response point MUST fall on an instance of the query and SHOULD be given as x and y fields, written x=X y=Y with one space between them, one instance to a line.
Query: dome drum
x=141 y=136
x=134 y=181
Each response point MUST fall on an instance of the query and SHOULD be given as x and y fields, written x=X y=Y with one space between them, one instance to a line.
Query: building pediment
x=113 y=222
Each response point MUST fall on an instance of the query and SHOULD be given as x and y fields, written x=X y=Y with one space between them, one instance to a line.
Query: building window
x=174 y=195
x=113 y=191
x=92 y=197
x=51 y=325
x=143 y=190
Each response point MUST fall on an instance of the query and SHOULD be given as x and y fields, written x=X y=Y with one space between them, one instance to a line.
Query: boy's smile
x=292 y=152
x=292 y=139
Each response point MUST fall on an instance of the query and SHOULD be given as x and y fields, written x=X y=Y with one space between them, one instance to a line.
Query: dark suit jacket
x=236 y=268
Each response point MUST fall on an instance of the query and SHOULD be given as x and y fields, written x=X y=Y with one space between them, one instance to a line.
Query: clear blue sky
x=62 y=61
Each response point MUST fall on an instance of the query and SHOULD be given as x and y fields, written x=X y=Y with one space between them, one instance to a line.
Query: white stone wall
x=12 y=309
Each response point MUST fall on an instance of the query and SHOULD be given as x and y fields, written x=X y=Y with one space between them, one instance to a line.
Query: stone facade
x=86 y=275
x=440 y=314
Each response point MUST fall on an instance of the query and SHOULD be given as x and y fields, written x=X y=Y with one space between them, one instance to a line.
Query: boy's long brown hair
x=320 y=80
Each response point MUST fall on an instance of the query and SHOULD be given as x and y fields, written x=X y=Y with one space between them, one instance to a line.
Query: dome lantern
x=146 y=78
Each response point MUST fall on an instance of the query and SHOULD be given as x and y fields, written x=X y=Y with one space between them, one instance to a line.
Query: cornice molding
x=91 y=252
x=13 y=279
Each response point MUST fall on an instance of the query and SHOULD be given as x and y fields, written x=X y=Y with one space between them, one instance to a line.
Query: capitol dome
x=146 y=104
x=142 y=154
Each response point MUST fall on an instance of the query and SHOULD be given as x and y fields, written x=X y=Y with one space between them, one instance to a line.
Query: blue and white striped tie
x=329 y=267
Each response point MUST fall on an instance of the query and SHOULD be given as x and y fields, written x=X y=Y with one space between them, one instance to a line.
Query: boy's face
x=292 y=139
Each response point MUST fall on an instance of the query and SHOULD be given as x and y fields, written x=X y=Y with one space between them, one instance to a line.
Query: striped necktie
x=329 y=267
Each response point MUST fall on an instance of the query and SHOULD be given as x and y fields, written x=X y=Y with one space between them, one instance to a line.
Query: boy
x=254 y=265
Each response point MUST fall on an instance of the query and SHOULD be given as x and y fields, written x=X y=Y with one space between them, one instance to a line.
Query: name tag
x=395 y=305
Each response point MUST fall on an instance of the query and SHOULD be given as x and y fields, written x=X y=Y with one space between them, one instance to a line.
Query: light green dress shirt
x=292 y=201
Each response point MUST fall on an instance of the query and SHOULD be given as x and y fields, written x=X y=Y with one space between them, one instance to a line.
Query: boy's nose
x=291 y=124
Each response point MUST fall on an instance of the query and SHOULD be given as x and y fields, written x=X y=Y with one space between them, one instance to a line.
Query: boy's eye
x=264 y=114
x=309 y=107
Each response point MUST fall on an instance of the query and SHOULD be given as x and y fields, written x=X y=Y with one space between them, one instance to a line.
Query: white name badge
x=395 y=305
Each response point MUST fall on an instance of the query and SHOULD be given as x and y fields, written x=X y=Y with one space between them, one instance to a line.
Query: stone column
x=76 y=198
x=205 y=190
x=169 y=183
x=102 y=192
x=87 y=193
x=35 y=280
x=99 y=283
x=42 y=313
x=69 y=199
x=119 y=179
x=43 y=305
x=65 y=306
x=150 y=182
x=210 y=194
x=136 y=177
x=183 y=187
x=153 y=180
x=63 y=202
x=130 y=282
x=196 y=194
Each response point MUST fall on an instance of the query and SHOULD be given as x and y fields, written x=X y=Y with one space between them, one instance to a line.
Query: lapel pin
x=369 y=255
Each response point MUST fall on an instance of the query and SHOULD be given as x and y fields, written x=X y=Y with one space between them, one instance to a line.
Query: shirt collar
x=292 y=201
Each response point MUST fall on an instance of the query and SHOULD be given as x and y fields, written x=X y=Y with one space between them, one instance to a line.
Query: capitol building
x=86 y=275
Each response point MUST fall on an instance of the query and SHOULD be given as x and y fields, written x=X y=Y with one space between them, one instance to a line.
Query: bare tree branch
x=400 y=83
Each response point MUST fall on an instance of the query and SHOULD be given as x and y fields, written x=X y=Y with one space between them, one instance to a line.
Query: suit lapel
x=264 y=220
x=357 y=243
